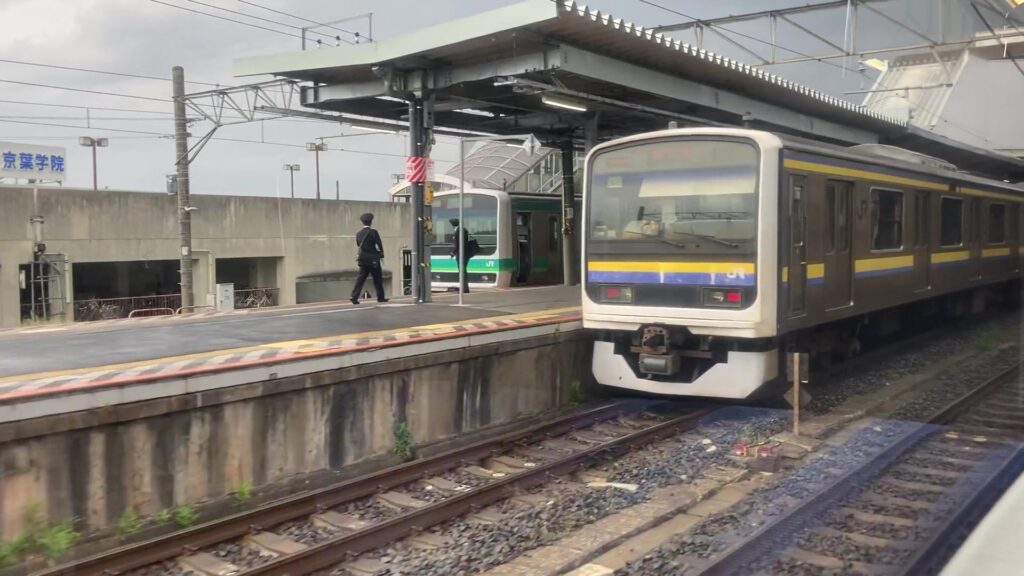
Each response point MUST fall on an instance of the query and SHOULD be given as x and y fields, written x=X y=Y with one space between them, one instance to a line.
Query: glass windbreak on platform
x=481 y=214
x=674 y=195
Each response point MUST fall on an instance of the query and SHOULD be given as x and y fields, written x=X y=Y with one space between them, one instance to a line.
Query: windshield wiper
x=711 y=238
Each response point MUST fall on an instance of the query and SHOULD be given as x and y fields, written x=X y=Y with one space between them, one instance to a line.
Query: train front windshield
x=481 y=214
x=673 y=197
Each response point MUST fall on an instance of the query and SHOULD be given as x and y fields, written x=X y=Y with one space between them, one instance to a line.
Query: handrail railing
x=147 y=312
x=113 y=308
x=256 y=297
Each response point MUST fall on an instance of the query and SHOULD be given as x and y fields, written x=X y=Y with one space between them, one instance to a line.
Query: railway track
x=906 y=510
x=339 y=522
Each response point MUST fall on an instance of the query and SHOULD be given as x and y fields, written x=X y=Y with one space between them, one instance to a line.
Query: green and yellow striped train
x=709 y=253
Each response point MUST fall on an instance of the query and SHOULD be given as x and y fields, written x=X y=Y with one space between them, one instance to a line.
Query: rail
x=770 y=538
x=114 y=308
x=335 y=550
x=133 y=556
x=256 y=297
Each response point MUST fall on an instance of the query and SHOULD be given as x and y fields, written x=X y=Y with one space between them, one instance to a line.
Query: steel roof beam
x=673 y=88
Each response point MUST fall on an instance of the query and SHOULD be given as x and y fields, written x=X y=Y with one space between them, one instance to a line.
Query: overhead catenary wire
x=993 y=32
x=879 y=80
x=261 y=19
x=187 y=9
x=84 y=90
x=107 y=72
x=332 y=27
x=161 y=135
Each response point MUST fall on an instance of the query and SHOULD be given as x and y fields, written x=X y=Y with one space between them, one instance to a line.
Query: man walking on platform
x=470 y=252
x=371 y=251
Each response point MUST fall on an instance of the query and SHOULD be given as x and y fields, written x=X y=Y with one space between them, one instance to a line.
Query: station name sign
x=28 y=161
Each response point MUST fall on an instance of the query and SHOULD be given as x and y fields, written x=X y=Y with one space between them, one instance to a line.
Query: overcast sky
x=148 y=38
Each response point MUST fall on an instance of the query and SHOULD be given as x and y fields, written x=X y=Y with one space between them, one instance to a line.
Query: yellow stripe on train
x=987 y=194
x=669 y=267
x=815 y=271
x=882 y=177
x=994 y=252
x=866 y=174
x=944 y=257
x=886 y=263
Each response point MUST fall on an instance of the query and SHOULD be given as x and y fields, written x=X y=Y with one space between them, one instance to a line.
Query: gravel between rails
x=719 y=531
x=473 y=548
x=987 y=338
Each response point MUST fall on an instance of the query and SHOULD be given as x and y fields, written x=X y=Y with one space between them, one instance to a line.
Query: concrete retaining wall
x=167 y=452
x=301 y=236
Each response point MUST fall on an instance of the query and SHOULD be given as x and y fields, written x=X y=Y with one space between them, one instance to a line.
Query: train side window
x=951 y=224
x=996 y=223
x=886 y=219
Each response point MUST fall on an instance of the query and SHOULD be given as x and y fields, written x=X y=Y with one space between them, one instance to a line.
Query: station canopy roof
x=497 y=164
x=562 y=71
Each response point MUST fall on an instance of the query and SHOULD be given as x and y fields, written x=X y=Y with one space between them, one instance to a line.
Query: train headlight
x=722 y=297
x=616 y=294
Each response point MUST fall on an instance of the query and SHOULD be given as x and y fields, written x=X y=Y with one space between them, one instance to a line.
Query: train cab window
x=886 y=219
x=996 y=223
x=951 y=225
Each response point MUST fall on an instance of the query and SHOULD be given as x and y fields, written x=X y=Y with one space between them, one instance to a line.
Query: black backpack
x=472 y=248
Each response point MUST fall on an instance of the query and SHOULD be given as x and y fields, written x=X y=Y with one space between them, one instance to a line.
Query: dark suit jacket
x=371 y=249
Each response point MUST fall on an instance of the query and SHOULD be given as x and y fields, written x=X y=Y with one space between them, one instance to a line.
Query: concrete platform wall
x=303 y=236
x=183 y=450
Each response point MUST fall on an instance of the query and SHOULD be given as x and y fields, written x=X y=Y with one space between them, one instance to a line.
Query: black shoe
x=353 y=300
x=383 y=300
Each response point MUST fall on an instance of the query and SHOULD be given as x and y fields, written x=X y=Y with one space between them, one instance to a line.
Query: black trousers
x=369 y=268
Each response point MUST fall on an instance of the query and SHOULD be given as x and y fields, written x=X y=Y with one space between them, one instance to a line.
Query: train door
x=1016 y=239
x=523 y=270
x=838 y=259
x=797 y=246
x=974 y=229
x=922 y=240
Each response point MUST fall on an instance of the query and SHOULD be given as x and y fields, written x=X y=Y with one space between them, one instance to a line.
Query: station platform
x=58 y=369
x=994 y=547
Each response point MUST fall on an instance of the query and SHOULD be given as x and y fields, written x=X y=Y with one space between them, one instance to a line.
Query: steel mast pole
x=462 y=221
x=95 y=186
x=416 y=151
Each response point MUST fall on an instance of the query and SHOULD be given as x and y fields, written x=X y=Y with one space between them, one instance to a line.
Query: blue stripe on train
x=695 y=278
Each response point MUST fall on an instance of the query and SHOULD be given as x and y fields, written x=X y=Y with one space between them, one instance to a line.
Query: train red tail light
x=722 y=297
x=616 y=294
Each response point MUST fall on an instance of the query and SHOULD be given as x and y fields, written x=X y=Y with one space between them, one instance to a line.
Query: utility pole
x=181 y=162
x=292 y=169
x=93 y=143
x=337 y=190
x=317 y=147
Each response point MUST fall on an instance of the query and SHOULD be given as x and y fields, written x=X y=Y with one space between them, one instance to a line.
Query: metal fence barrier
x=113 y=308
